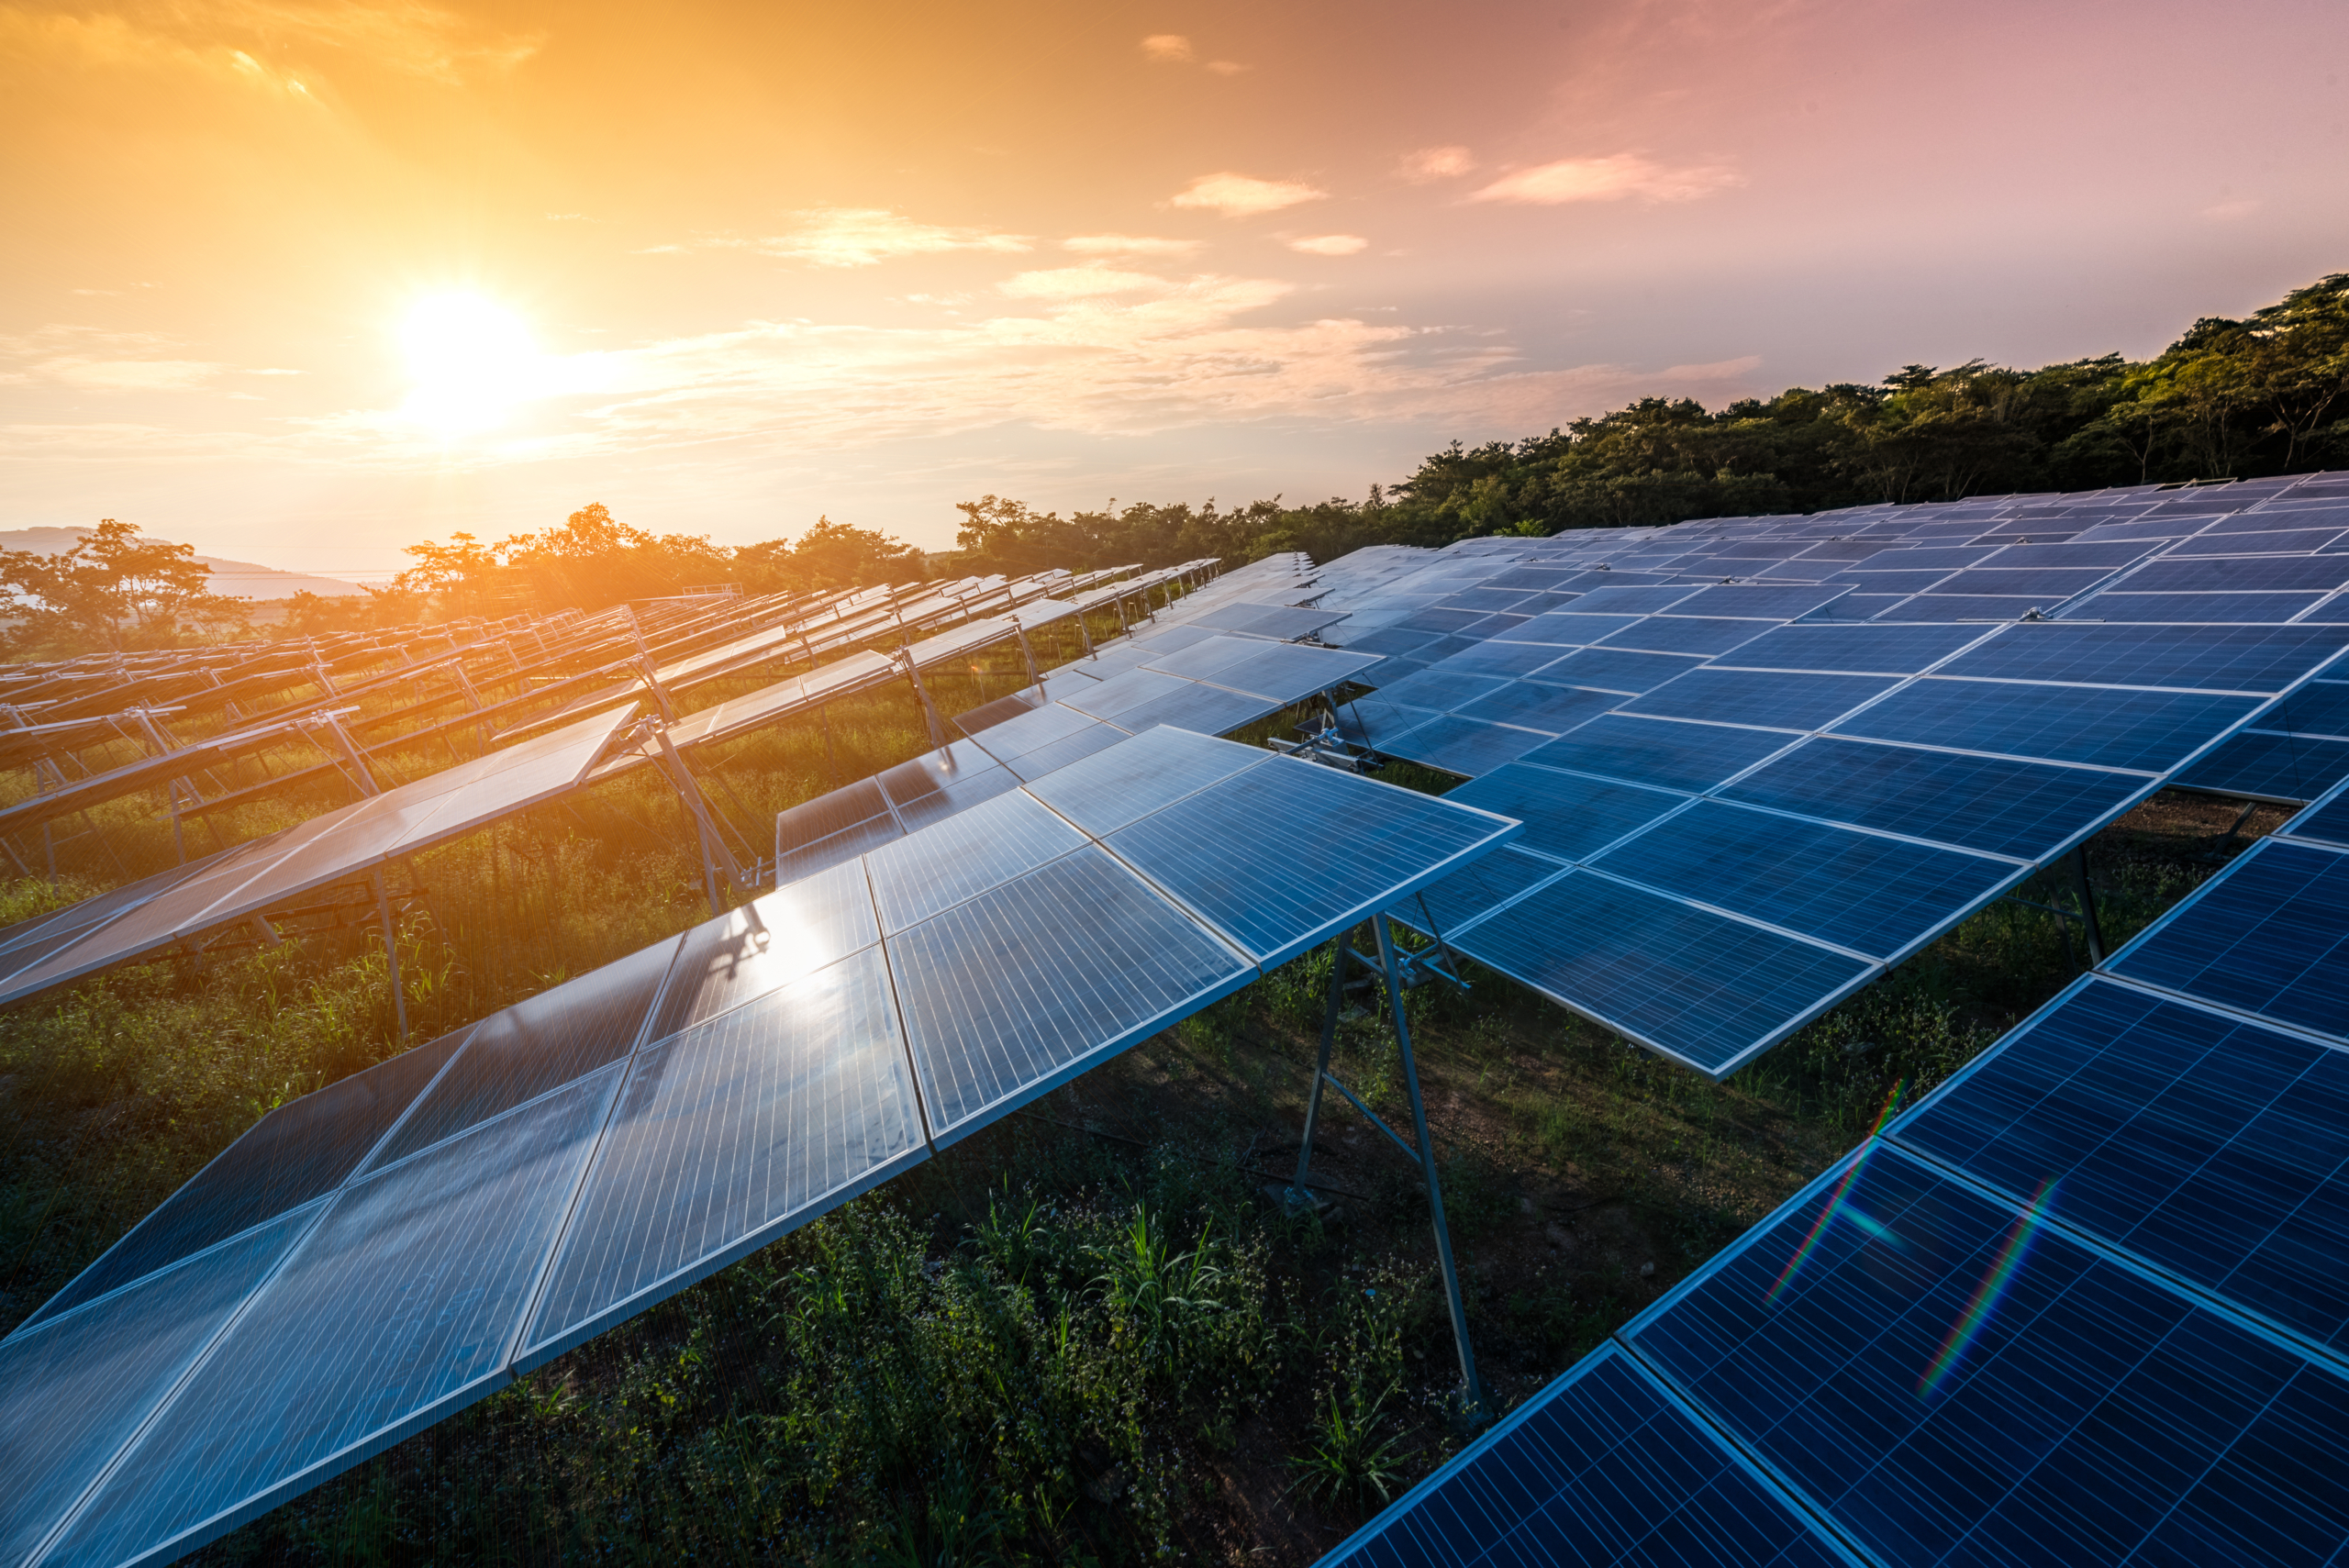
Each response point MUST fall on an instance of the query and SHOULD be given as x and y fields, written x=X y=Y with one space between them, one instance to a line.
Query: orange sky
x=725 y=267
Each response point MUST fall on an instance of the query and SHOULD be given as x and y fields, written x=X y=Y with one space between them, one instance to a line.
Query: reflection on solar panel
x=371 y=1258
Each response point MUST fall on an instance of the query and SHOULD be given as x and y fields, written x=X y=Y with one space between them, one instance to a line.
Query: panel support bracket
x=1388 y=966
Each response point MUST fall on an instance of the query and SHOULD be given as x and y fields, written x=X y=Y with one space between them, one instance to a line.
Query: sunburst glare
x=470 y=361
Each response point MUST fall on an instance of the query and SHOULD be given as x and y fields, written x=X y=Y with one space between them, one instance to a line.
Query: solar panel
x=1946 y=1376
x=1605 y=1465
x=965 y=855
x=2211 y=1147
x=1881 y=650
x=2270 y=937
x=1864 y=892
x=2269 y=766
x=1569 y=815
x=1764 y=698
x=1704 y=989
x=1461 y=745
x=1673 y=753
x=724 y=1136
x=2237 y=659
x=2148 y=731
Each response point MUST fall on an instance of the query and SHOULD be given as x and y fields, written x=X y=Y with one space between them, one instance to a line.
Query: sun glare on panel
x=470 y=360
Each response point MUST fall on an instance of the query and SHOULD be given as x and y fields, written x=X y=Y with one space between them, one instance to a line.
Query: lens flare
x=470 y=361
x=1989 y=1294
x=1838 y=1208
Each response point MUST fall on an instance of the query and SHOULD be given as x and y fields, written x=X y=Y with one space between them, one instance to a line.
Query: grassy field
x=1080 y=1336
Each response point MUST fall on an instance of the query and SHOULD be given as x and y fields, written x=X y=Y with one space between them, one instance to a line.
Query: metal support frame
x=1084 y=635
x=391 y=948
x=2095 y=932
x=716 y=858
x=646 y=668
x=1388 y=967
x=929 y=708
x=1027 y=651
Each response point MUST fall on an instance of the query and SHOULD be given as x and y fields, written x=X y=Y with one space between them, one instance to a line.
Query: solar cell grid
x=2217 y=657
x=1761 y=698
x=1673 y=753
x=1886 y=650
x=1705 y=990
x=2212 y=1147
x=2268 y=936
x=1949 y=1378
x=1997 y=805
x=2152 y=731
x=1675 y=634
x=1868 y=894
x=2269 y=766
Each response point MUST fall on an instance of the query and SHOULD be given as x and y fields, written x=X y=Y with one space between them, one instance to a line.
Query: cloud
x=2233 y=211
x=1330 y=244
x=1170 y=49
x=96 y=361
x=1127 y=245
x=249 y=39
x=1078 y=282
x=1435 y=163
x=1242 y=195
x=1606 y=180
x=862 y=237
x=1227 y=67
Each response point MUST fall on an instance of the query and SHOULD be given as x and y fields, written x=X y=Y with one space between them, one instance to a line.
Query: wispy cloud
x=1169 y=49
x=1606 y=180
x=863 y=237
x=260 y=39
x=1127 y=245
x=91 y=360
x=2233 y=211
x=1227 y=67
x=1435 y=163
x=1079 y=282
x=1243 y=196
x=1330 y=244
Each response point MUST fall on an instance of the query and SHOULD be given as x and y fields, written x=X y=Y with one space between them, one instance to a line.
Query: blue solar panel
x=2269 y=935
x=1504 y=659
x=2236 y=659
x=2148 y=731
x=986 y=1035
x=1567 y=629
x=1535 y=705
x=730 y=1134
x=1604 y=1466
x=2213 y=1149
x=2327 y=820
x=1210 y=710
x=73 y=1391
x=1103 y=793
x=1963 y=607
x=1757 y=602
x=296 y=1152
x=2105 y=556
x=1762 y=697
x=2271 y=766
x=1565 y=814
x=1459 y=745
x=1474 y=891
x=1885 y=650
x=521 y=1052
x=965 y=855
x=2320 y=707
x=1279 y=857
x=2282 y=540
x=2241 y=574
x=1612 y=670
x=1441 y=689
x=2237 y=609
x=2044 y=584
x=1944 y=559
x=404 y=1298
x=1867 y=580
x=1678 y=634
x=1950 y=1379
x=2026 y=809
x=1674 y=754
x=1874 y=895
x=1700 y=987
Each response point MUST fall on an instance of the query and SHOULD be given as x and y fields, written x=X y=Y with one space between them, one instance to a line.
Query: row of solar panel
x=372 y=1256
x=1185 y=676
x=2086 y=1304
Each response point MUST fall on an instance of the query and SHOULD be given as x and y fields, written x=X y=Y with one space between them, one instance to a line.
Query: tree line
x=2266 y=395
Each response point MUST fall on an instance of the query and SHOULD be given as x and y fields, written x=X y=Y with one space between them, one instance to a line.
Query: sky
x=304 y=283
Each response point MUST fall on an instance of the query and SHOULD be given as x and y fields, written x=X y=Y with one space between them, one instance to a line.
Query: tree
x=114 y=590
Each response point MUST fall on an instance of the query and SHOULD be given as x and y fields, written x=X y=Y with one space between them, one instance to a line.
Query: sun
x=470 y=360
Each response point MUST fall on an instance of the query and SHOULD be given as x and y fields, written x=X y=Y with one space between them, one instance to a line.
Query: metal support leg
x=928 y=709
x=1472 y=1390
x=391 y=951
x=1027 y=652
x=1084 y=635
x=1298 y=1190
x=2079 y=859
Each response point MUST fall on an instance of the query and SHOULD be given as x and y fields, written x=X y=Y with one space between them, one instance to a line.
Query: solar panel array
x=2087 y=1303
x=1761 y=760
x=373 y=1257
x=1181 y=673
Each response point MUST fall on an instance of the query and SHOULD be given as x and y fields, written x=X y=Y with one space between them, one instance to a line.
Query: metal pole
x=2079 y=859
x=1297 y=1191
x=1472 y=1391
x=391 y=950
x=1084 y=635
x=929 y=711
x=1027 y=651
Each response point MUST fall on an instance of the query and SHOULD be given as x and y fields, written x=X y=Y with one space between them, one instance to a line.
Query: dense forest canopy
x=2229 y=400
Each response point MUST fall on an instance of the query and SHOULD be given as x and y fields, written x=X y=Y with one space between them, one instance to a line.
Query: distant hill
x=234 y=579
